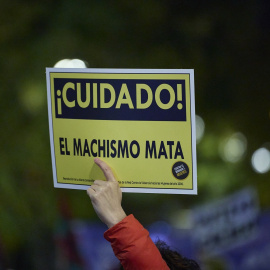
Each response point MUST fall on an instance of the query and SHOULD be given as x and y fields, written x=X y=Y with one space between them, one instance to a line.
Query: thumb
x=107 y=171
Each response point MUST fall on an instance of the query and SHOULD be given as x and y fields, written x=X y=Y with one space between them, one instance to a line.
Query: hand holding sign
x=106 y=197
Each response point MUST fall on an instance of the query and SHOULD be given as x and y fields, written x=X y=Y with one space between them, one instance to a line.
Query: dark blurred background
x=225 y=42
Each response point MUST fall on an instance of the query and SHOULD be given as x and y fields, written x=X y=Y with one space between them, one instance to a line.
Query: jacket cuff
x=130 y=219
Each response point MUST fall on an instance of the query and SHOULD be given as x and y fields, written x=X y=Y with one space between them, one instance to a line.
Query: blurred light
x=260 y=160
x=200 y=126
x=234 y=148
x=70 y=63
x=32 y=97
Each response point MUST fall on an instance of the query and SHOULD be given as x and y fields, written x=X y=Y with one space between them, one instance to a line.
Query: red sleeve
x=133 y=246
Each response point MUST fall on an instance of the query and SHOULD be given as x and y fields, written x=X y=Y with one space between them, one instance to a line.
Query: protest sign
x=226 y=223
x=140 y=121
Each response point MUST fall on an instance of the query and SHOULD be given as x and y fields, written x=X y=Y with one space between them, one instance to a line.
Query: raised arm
x=130 y=241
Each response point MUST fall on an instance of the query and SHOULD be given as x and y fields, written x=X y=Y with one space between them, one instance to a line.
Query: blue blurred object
x=255 y=254
x=95 y=251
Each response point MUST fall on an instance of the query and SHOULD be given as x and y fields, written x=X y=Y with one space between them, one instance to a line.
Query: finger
x=96 y=188
x=90 y=192
x=105 y=169
x=92 y=195
x=99 y=183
